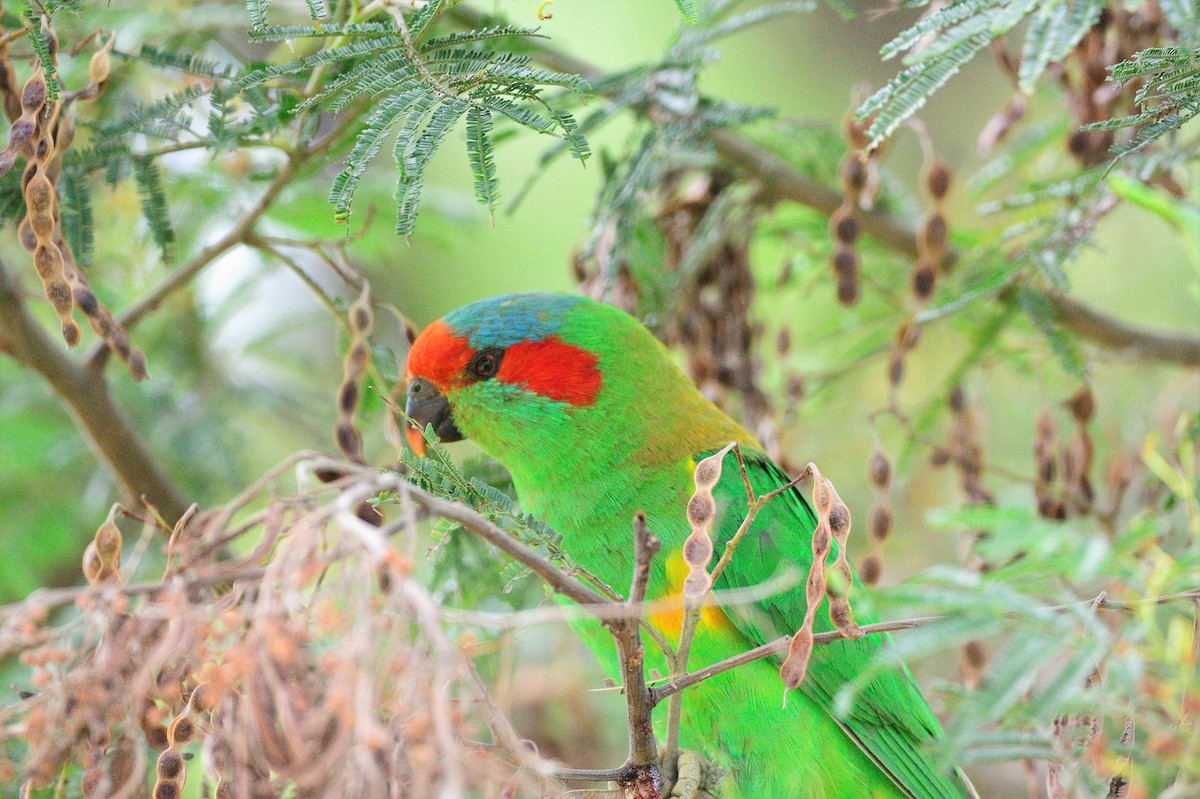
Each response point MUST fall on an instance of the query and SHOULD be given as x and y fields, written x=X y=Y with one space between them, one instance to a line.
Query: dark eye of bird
x=486 y=363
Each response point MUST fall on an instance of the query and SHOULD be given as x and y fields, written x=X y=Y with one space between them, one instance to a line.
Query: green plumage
x=587 y=470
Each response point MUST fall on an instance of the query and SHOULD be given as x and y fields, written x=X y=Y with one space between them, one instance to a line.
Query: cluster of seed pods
x=879 y=522
x=833 y=524
x=42 y=131
x=965 y=452
x=1063 y=484
x=860 y=175
x=963 y=449
x=102 y=557
x=701 y=511
x=358 y=357
x=933 y=236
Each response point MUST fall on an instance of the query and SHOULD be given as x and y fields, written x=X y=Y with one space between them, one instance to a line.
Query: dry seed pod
x=108 y=538
x=822 y=495
x=795 y=665
x=701 y=510
x=924 y=281
x=934 y=234
x=937 y=179
x=361 y=321
x=854 y=176
x=182 y=729
x=847 y=291
x=880 y=470
x=33 y=95
x=1082 y=405
x=844 y=224
x=896 y=369
x=839 y=606
x=973 y=663
x=879 y=523
x=870 y=569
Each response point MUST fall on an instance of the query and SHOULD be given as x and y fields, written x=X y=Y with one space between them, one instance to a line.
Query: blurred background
x=244 y=364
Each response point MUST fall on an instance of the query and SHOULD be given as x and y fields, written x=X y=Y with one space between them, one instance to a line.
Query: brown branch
x=86 y=394
x=779 y=181
x=643 y=750
x=1133 y=340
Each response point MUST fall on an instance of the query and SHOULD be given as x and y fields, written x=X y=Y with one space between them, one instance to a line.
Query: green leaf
x=479 y=154
x=154 y=203
x=257 y=9
x=689 y=9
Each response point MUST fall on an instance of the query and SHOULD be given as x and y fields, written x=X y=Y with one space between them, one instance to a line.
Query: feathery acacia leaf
x=480 y=156
x=154 y=203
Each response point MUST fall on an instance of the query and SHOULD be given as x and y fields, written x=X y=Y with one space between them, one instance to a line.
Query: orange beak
x=416 y=439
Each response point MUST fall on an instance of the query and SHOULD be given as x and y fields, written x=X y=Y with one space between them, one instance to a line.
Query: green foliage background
x=245 y=362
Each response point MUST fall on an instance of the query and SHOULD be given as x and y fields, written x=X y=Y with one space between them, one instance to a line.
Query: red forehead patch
x=553 y=369
x=439 y=356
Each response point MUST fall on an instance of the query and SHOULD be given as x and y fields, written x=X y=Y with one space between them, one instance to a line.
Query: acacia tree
x=296 y=633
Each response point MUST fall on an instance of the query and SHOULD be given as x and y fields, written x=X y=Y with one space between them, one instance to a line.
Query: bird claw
x=696 y=778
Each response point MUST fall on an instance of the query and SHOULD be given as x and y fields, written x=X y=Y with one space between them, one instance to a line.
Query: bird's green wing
x=890 y=719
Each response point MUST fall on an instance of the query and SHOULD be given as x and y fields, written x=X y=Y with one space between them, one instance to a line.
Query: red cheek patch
x=439 y=356
x=553 y=369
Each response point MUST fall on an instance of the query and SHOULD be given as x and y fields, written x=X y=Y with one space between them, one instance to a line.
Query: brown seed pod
x=937 y=179
x=108 y=539
x=845 y=263
x=879 y=470
x=795 y=665
x=973 y=663
x=896 y=369
x=166 y=790
x=701 y=511
x=848 y=291
x=783 y=341
x=844 y=224
x=181 y=730
x=169 y=765
x=879 y=523
x=924 y=281
x=33 y=96
x=854 y=176
x=870 y=569
x=934 y=233
x=1082 y=405
x=100 y=64
x=957 y=400
x=822 y=495
x=843 y=618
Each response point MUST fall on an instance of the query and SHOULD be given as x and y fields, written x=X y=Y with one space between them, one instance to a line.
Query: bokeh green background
x=245 y=364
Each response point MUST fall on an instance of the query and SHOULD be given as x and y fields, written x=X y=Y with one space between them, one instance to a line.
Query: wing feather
x=890 y=719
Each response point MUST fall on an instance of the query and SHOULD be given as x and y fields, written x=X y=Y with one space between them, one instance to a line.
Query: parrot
x=595 y=421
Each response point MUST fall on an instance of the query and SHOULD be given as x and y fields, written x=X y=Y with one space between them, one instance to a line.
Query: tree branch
x=86 y=394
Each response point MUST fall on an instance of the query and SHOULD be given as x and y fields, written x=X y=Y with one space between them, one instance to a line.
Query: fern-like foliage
x=685 y=120
x=413 y=89
x=942 y=43
x=154 y=203
x=1169 y=95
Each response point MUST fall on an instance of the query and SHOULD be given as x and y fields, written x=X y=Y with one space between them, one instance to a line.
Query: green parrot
x=595 y=421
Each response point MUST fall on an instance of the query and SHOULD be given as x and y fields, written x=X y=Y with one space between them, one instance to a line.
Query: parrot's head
x=556 y=386
x=513 y=372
